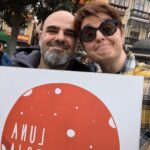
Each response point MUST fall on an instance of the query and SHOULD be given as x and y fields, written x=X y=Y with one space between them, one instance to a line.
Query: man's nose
x=60 y=36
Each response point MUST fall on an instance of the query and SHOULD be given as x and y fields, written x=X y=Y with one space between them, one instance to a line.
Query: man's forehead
x=60 y=19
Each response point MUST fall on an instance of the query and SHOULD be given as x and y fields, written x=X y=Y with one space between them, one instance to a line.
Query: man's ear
x=39 y=34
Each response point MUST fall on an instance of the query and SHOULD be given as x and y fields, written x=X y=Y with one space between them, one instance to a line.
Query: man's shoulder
x=26 y=57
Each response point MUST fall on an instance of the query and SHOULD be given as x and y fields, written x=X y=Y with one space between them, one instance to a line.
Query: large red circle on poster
x=59 y=116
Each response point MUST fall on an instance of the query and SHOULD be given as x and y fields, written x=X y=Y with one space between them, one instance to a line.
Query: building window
x=142 y=5
x=139 y=4
x=134 y=34
x=120 y=2
x=148 y=6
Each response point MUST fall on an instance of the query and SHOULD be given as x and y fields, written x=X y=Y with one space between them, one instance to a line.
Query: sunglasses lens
x=88 y=34
x=108 y=27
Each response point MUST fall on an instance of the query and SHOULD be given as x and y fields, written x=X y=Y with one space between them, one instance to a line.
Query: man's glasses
x=107 y=28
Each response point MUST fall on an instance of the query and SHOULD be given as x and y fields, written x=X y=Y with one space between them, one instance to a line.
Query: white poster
x=62 y=110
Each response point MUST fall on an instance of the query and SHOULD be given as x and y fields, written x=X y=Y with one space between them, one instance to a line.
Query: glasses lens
x=108 y=27
x=88 y=34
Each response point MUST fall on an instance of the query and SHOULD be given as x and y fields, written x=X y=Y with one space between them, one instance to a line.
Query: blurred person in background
x=5 y=60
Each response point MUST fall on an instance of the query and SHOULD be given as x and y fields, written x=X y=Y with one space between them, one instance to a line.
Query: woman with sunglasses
x=101 y=34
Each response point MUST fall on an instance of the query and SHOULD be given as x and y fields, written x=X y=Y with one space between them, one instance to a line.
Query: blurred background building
x=136 y=19
x=25 y=34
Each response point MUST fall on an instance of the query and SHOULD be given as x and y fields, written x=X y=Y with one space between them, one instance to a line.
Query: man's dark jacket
x=30 y=57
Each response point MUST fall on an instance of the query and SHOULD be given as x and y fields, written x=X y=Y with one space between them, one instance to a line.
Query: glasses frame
x=100 y=28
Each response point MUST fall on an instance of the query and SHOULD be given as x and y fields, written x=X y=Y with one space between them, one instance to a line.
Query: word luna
x=28 y=133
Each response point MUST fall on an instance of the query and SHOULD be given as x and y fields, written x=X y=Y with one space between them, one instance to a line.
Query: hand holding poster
x=48 y=110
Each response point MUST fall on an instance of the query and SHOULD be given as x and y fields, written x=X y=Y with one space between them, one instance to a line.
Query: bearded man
x=57 y=43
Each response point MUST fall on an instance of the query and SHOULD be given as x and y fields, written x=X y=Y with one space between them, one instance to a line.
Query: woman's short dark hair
x=92 y=9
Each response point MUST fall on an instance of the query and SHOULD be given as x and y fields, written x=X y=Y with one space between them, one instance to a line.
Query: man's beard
x=56 y=59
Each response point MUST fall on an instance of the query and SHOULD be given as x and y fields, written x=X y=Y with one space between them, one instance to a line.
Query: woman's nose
x=99 y=35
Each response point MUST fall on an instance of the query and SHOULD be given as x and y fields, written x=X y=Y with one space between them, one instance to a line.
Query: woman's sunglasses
x=107 y=28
